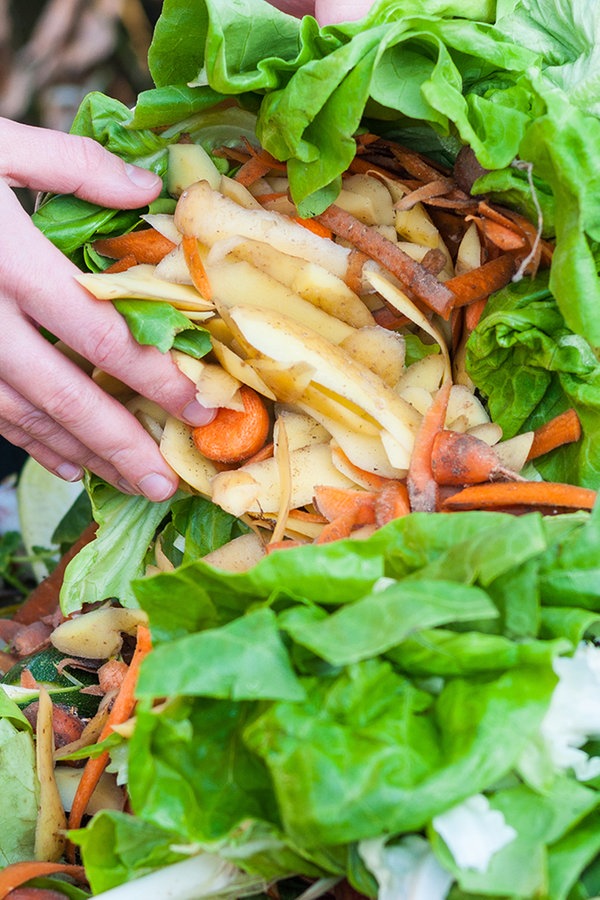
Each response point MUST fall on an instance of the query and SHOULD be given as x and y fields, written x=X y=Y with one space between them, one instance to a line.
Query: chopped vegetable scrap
x=311 y=321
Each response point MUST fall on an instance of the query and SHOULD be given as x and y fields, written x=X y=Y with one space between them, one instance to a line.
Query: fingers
x=42 y=281
x=56 y=413
x=328 y=12
x=42 y=159
x=63 y=416
x=48 y=405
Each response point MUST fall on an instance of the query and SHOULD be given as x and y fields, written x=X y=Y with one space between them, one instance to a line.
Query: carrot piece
x=285 y=544
x=481 y=282
x=473 y=313
x=314 y=226
x=360 y=166
x=16 y=874
x=253 y=169
x=195 y=265
x=302 y=515
x=337 y=529
x=265 y=452
x=234 y=435
x=148 y=246
x=540 y=495
x=391 y=502
x=459 y=458
x=121 y=710
x=500 y=235
x=565 y=428
x=436 y=188
x=366 y=138
x=387 y=318
x=545 y=250
x=416 y=279
x=333 y=502
x=121 y=265
x=369 y=480
x=416 y=164
x=422 y=486
x=43 y=600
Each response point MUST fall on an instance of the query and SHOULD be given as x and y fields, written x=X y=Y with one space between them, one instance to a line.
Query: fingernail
x=69 y=472
x=125 y=487
x=195 y=414
x=156 y=487
x=142 y=177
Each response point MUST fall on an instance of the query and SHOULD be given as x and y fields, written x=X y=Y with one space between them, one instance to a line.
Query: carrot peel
x=459 y=459
x=565 y=428
x=121 y=710
x=146 y=246
x=16 y=874
x=234 y=435
x=422 y=486
x=541 y=495
x=195 y=266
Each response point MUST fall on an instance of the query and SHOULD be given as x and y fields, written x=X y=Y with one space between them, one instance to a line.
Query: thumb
x=46 y=160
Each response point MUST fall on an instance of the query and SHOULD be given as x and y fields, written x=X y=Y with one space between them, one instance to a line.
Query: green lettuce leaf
x=117 y=847
x=161 y=325
x=566 y=33
x=243 y=660
x=378 y=622
x=434 y=751
x=106 y=566
x=570 y=856
x=520 y=869
x=19 y=795
x=177 y=777
x=530 y=366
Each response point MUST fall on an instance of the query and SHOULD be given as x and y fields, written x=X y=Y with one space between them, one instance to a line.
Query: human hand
x=326 y=12
x=48 y=405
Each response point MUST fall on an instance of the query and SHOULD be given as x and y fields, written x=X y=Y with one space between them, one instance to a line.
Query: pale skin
x=48 y=405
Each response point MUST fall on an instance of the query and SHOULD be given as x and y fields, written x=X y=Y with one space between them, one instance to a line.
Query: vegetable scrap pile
x=390 y=298
x=322 y=426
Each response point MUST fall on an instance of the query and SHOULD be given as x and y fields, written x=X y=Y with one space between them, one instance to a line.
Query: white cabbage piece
x=406 y=870
x=474 y=832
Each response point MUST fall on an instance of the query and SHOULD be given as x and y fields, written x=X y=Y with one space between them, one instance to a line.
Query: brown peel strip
x=481 y=282
x=414 y=277
x=432 y=189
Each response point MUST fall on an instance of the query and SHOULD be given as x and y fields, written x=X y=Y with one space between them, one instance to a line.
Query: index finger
x=46 y=160
x=42 y=281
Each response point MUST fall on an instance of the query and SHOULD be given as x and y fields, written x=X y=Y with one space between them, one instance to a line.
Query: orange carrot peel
x=416 y=279
x=422 y=486
x=195 y=266
x=235 y=435
x=535 y=495
x=565 y=428
x=458 y=459
x=122 y=708
x=16 y=874
x=146 y=246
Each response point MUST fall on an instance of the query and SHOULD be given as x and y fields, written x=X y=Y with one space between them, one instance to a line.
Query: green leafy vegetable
x=105 y=567
x=244 y=660
x=19 y=796
x=161 y=325
x=530 y=367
